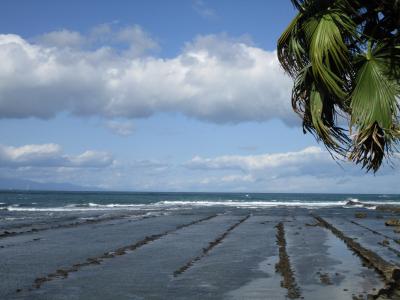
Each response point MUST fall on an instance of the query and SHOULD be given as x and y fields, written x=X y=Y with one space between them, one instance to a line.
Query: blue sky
x=158 y=95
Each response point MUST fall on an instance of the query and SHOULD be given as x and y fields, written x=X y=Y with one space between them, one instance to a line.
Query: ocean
x=90 y=201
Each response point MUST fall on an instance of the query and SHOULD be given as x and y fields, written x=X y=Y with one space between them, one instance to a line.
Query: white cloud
x=307 y=170
x=203 y=10
x=122 y=128
x=235 y=178
x=138 y=40
x=133 y=40
x=30 y=154
x=61 y=38
x=91 y=158
x=214 y=78
x=50 y=155
x=276 y=163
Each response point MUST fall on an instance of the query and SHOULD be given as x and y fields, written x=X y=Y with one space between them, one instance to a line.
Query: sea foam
x=174 y=205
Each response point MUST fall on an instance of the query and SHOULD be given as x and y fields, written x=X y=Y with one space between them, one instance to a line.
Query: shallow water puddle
x=350 y=277
x=325 y=268
x=268 y=287
x=368 y=239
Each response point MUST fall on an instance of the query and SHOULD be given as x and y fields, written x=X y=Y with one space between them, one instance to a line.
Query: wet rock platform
x=204 y=253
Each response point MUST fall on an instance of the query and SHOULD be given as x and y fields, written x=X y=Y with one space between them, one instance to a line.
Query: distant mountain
x=23 y=184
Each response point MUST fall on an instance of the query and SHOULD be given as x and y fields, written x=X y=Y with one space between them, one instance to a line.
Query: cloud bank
x=50 y=155
x=306 y=170
x=311 y=169
x=276 y=163
x=110 y=73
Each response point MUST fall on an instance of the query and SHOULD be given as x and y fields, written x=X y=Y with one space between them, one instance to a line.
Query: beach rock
x=393 y=222
x=360 y=215
x=385 y=242
x=325 y=279
x=389 y=208
x=359 y=204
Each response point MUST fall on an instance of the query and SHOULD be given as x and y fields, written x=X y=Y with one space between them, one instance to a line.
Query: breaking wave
x=253 y=204
x=179 y=204
x=173 y=205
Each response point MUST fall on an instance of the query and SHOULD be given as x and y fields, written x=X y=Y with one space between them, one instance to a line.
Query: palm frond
x=322 y=116
x=291 y=53
x=328 y=53
x=318 y=114
x=374 y=104
x=344 y=57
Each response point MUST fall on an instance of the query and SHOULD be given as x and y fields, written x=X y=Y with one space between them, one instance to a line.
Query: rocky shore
x=205 y=253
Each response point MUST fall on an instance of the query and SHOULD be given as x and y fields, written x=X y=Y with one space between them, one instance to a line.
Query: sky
x=180 y=95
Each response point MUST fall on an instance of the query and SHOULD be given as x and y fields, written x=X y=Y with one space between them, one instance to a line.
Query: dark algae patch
x=210 y=246
x=324 y=278
x=283 y=266
x=360 y=215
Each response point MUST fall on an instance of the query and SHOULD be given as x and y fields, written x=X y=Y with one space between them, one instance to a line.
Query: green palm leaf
x=328 y=52
x=374 y=108
x=291 y=54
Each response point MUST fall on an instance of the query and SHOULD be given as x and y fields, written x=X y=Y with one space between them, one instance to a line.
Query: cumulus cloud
x=307 y=161
x=132 y=40
x=61 y=38
x=308 y=170
x=138 y=40
x=214 y=78
x=51 y=155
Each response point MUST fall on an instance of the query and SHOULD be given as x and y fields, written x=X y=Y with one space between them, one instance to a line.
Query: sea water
x=47 y=201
